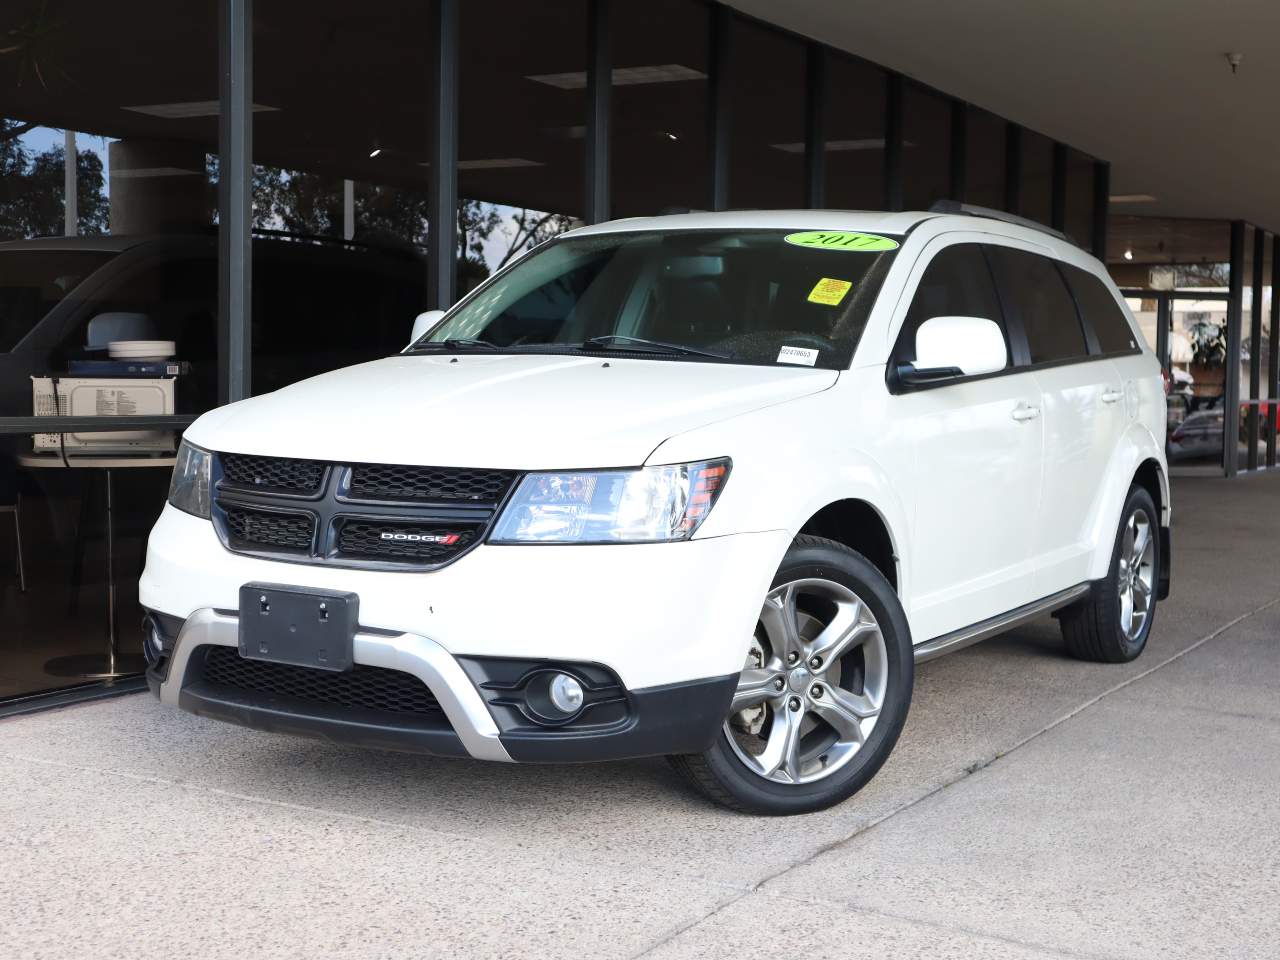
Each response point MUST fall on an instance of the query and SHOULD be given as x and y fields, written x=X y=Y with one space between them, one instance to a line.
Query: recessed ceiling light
x=498 y=163
x=1132 y=198
x=669 y=135
x=622 y=76
x=193 y=108
x=374 y=152
x=139 y=173
x=1128 y=254
x=837 y=146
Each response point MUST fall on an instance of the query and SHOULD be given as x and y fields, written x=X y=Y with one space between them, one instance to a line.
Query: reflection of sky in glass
x=43 y=138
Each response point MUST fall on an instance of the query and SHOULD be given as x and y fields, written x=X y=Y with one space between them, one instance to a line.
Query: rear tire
x=823 y=707
x=1112 y=624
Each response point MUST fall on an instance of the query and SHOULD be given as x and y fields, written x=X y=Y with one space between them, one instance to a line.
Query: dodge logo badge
x=447 y=539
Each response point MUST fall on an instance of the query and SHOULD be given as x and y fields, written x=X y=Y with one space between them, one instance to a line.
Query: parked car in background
x=705 y=486
x=318 y=304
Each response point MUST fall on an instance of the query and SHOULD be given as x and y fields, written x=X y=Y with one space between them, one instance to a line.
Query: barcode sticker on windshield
x=829 y=291
x=802 y=355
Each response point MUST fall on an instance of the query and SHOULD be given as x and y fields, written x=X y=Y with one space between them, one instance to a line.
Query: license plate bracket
x=297 y=626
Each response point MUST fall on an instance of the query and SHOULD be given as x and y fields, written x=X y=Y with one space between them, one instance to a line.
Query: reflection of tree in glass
x=309 y=204
x=31 y=188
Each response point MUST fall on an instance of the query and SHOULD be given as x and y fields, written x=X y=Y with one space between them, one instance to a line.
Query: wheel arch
x=860 y=526
x=1138 y=461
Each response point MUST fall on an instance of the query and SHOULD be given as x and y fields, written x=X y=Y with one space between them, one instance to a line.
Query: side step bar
x=966 y=636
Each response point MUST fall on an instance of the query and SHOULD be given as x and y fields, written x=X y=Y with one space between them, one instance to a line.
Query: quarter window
x=1101 y=311
x=957 y=283
x=1035 y=292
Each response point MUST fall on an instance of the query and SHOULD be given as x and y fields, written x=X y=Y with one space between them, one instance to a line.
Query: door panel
x=1084 y=416
x=976 y=493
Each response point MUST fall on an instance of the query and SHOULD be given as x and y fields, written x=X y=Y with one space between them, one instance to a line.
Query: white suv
x=703 y=485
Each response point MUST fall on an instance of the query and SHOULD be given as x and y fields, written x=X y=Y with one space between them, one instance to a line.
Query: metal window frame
x=597 y=163
x=1101 y=207
x=1013 y=167
x=1231 y=398
x=894 y=186
x=959 y=150
x=1273 y=367
x=720 y=103
x=815 y=136
x=1255 y=348
x=442 y=192
x=235 y=200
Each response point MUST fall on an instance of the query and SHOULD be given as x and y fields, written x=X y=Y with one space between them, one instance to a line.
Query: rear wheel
x=824 y=691
x=1112 y=624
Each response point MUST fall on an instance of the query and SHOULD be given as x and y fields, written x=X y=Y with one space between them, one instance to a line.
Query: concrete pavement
x=1035 y=807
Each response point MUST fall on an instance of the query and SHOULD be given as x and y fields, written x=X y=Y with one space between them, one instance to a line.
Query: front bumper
x=653 y=614
x=677 y=718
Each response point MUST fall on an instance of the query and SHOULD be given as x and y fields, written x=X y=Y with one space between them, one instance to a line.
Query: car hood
x=520 y=412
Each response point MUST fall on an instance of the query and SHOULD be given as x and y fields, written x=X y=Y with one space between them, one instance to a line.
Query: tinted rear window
x=1101 y=311
x=1035 y=292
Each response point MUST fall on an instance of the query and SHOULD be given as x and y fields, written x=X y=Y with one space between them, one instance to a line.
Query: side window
x=1033 y=288
x=1100 y=311
x=956 y=283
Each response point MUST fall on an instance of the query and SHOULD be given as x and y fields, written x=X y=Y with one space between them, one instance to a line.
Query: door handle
x=1112 y=396
x=1025 y=411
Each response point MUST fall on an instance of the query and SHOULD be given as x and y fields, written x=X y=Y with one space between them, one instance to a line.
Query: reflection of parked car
x=1199 y=435
x=317 y=304
x=702 y=485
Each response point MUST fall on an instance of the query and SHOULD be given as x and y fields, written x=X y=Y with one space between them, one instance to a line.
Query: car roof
x=868 y=221
x=854 y=220
x=95 y=244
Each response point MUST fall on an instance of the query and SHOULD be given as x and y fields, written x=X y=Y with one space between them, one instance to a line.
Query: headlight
x=189 y=488
x=646 y=505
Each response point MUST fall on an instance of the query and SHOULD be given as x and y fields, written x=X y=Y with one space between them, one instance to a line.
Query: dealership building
x=279 y=187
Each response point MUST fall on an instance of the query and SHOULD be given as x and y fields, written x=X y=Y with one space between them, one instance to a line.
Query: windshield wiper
x=456 y=343
x=617 y=341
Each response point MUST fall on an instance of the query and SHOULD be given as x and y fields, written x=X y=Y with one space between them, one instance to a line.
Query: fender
x=782 y=484
x=1136 y=446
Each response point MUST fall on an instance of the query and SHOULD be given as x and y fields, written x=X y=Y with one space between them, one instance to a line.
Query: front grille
x=390 y=481
x=394 y=540
x=267 y=530
x=273 y=473
x=362 y=687
x=355 y=514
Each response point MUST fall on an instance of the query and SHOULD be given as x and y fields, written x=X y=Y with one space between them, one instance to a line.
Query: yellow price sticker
x=829 y=291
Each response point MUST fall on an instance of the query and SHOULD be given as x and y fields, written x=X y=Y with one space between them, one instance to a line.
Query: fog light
x=566 y=693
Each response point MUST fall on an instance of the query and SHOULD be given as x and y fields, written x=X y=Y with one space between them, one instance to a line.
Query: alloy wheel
x=1137 y=573
x=813 y=686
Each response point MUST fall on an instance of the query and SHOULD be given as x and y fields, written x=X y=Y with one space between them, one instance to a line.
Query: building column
x=442 y=236
x=70 y=189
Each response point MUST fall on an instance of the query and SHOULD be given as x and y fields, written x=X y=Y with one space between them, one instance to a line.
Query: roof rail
x=969 y=210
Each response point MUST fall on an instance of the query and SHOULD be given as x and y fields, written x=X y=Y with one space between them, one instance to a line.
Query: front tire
x=825 y=691
x=1112 y=624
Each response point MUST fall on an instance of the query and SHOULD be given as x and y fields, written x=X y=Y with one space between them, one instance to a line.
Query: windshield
x=754 y=297
x=33 y=281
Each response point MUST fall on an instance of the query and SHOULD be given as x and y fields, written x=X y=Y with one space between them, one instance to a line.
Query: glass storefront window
x=106 y=217
x=767 y=72
x=659 y=126
x=926 y=147
x=1036 y=191
x=340 y=183
x=984 y=159
x=854 y=126
x=1079 y=209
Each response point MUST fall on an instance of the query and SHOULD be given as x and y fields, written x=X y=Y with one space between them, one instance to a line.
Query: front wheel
x=823 y=694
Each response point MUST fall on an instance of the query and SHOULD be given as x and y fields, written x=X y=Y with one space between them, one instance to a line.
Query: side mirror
x=424 y=322
x=948 y=347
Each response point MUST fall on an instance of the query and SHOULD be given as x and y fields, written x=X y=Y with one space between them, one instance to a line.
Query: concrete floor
x=1035 y=807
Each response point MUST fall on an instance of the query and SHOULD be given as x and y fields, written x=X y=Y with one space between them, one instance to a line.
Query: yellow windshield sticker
x=829 y=291
x=842 y=240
